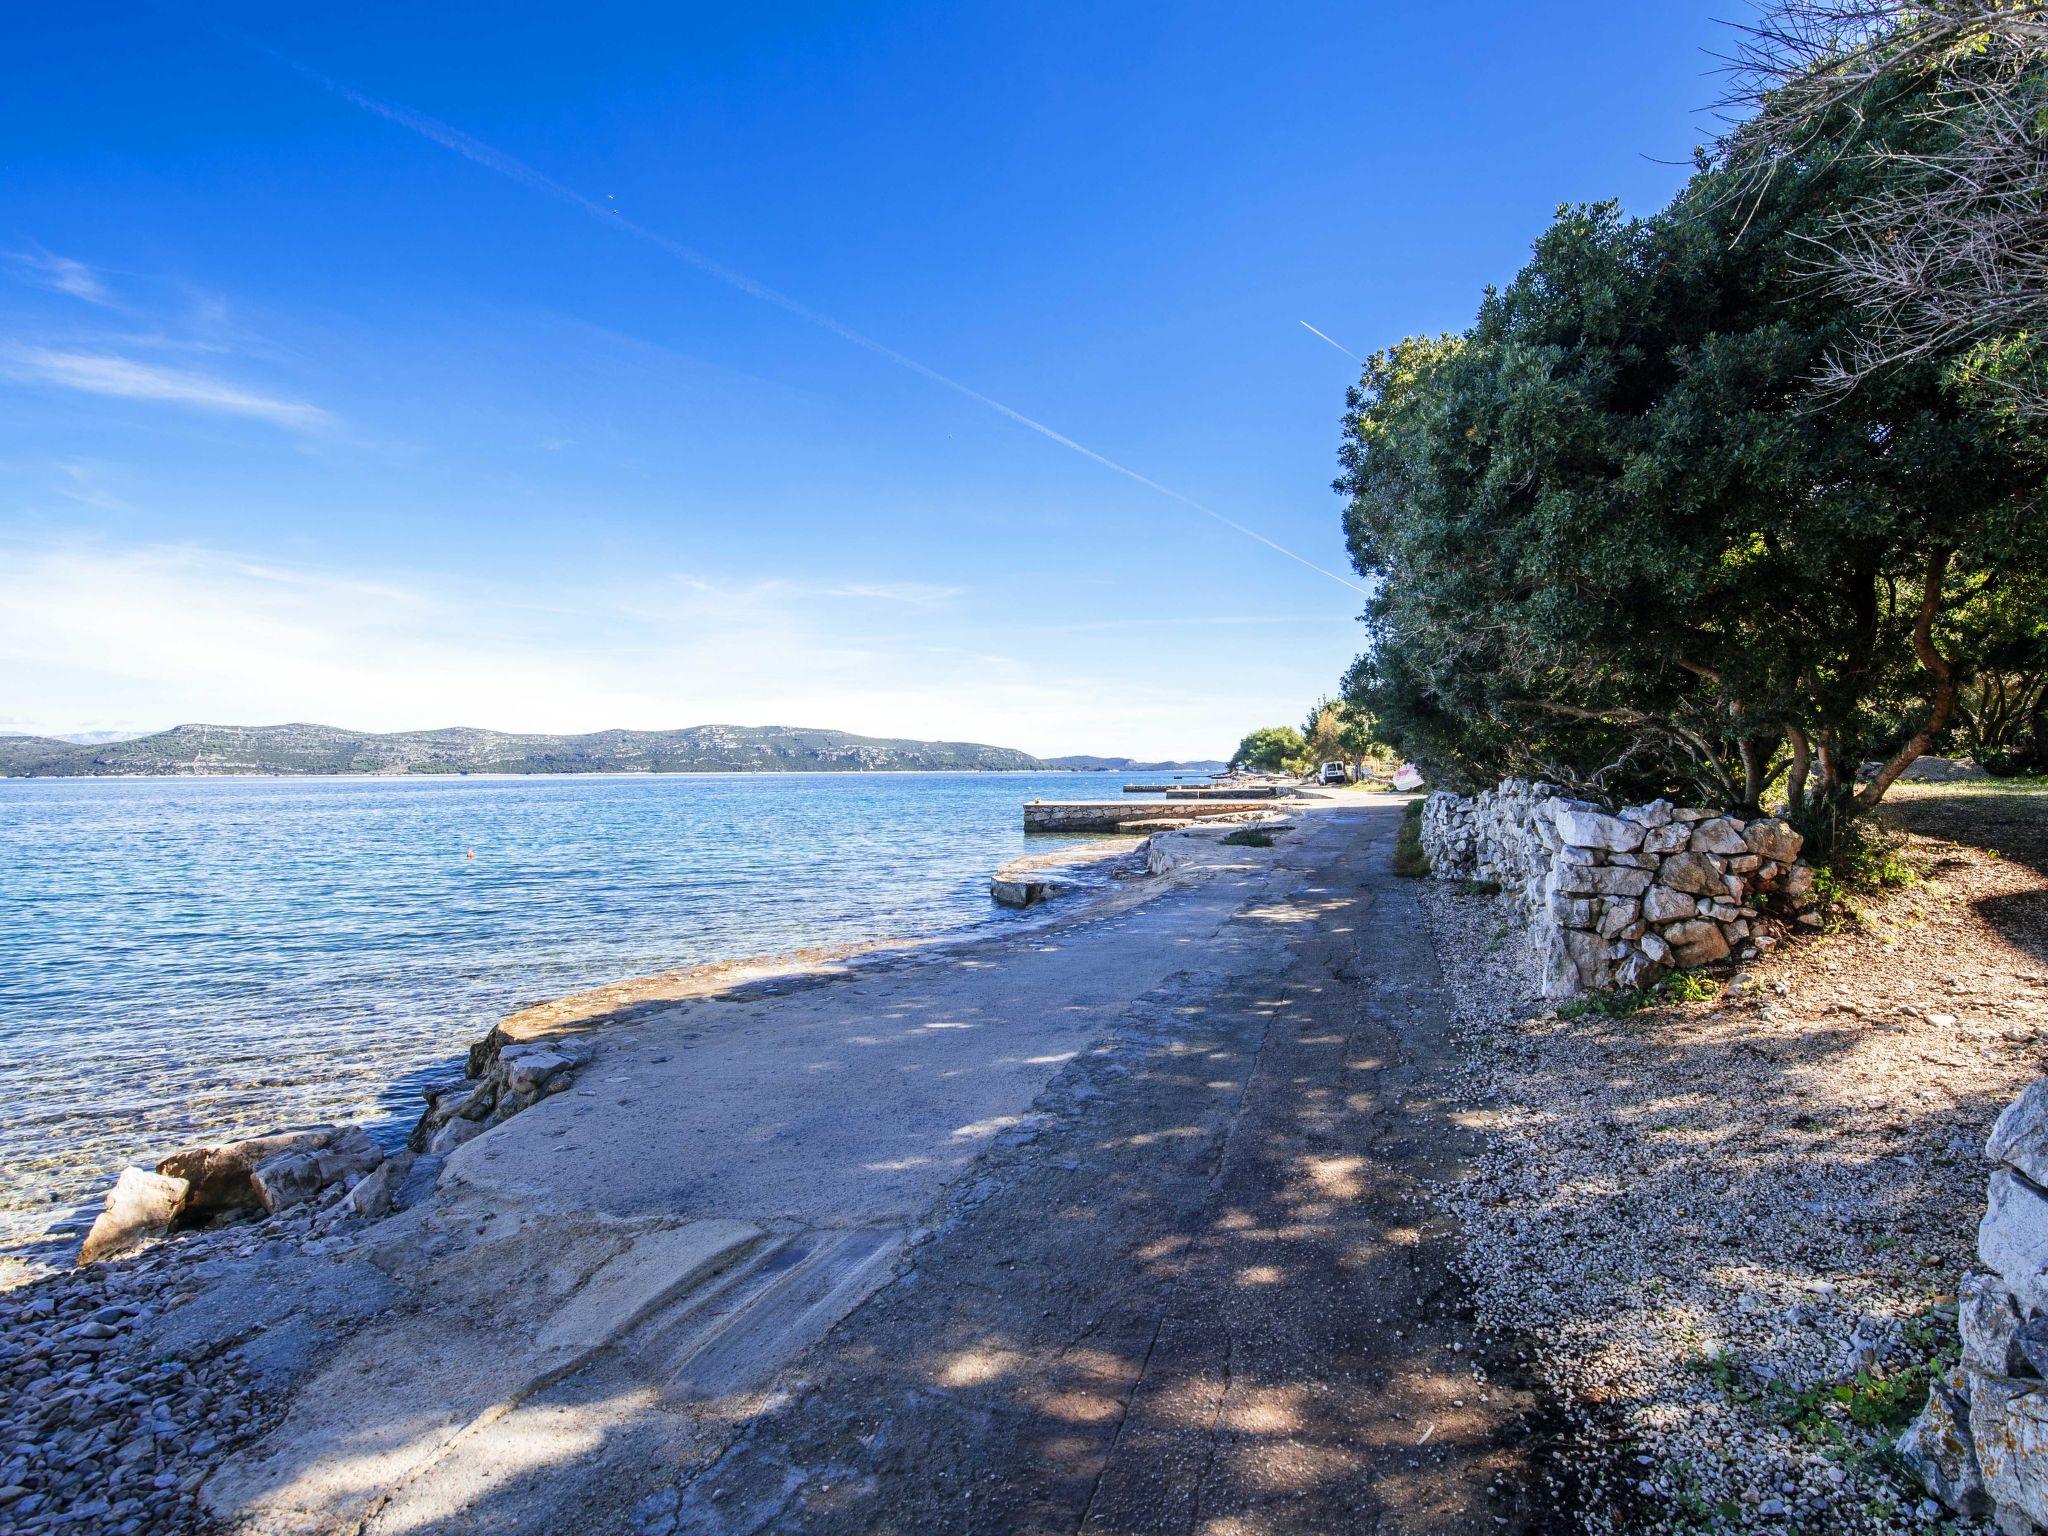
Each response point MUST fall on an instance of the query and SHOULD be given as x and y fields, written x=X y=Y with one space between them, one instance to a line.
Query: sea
x=186 y=960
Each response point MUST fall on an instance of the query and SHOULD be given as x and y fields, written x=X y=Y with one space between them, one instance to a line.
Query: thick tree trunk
x=1802 y=765
x=1941 y=697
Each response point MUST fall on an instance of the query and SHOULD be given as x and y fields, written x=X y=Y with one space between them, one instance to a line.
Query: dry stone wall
x=1981 y=1443
x=1619 y=899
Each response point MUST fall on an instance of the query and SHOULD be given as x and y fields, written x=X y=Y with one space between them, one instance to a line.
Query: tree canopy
x=1945 y=252
x=1617 y=540
x=1272 y=749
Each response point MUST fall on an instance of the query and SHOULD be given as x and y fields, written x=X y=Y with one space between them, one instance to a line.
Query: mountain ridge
x=307 y=748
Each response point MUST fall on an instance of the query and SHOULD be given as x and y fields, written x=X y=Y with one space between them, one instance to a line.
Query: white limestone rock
x=1696 y=941
x=371 y=1195
x=2013 y=1238
x=2009 y=1428
x=1661 y=904
x=1591 y=829
x=1721 y=835
x=1617 y=913
x=1669 y=838
x=1989 y=1320
x=1695 y=874
x=2019 y=1137
x=1602 y=880
x=141 y=1205
x=1939 y=1449
x=1772 y=838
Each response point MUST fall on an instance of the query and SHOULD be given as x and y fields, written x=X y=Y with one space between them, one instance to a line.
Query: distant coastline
x=233 y=750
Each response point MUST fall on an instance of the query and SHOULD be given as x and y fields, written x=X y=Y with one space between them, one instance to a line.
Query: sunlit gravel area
x=1729 y=1233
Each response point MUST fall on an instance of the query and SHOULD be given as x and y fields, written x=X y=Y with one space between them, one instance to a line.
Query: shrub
x=1410 y=862
x=1249 y=837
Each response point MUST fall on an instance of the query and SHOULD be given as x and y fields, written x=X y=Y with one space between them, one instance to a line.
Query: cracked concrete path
x=1117 y=1225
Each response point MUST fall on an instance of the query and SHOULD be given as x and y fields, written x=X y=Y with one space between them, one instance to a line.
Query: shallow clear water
x=188 y=959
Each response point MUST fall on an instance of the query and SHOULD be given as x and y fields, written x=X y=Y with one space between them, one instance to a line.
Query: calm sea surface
x=187 y=959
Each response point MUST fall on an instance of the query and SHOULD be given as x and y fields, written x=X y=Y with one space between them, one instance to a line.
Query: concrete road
x=1118 y=1225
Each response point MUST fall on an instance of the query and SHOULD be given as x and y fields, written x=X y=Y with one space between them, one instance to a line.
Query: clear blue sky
x=312 y=409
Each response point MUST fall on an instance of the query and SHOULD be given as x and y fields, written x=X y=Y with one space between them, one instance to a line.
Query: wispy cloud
x=141 y=634
x=102 y=373
x=60 y=274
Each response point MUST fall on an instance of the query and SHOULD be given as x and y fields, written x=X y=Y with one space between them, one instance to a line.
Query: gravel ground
x=1729 y=1232
x=101 y=1429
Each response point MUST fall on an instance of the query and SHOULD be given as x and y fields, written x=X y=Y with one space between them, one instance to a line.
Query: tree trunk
x=1802 y=765
x=1941 y=697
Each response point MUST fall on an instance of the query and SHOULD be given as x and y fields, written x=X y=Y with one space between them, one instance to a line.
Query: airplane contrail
x=1337 y=344
x=454 y=139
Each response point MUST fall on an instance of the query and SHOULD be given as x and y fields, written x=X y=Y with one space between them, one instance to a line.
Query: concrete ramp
x=579 y=1452
x=490 y=1320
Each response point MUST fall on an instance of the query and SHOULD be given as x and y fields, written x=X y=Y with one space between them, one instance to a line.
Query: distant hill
x=1132 y=765
x=228 y=749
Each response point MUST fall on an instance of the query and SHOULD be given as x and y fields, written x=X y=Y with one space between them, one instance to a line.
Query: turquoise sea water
x=190 y=959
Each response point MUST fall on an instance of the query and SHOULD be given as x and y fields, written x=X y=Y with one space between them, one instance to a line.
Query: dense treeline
x=1628 y=531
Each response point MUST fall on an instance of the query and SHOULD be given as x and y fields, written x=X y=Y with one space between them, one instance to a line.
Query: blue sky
x=374 y=364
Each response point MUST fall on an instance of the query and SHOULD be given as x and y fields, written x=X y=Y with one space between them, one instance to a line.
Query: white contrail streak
x=1337 y=344
x=438 y=132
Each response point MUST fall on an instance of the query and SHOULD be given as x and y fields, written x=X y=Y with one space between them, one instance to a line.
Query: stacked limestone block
x=1617 y=900
x=1981 y=1443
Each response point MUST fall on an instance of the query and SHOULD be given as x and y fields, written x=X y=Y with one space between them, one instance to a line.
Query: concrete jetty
x=1123 y=815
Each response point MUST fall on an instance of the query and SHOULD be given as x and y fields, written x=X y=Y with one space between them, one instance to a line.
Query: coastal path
x=1119 y=1223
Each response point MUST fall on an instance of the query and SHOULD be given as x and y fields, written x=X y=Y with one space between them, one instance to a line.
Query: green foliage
x=1273 y=749
x=1410 y=861
x=1617 y=541
x=2003 y=713
x=1248 y=837
x=1338 y=731
x=1678 y=987
x=1855 y=1420
x=1689 y=987
x=1863 y=862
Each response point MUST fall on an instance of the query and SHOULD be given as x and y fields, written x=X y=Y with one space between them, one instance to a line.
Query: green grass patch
x=1249 y=837
x=1410 y=862
x=1859 y=1420
x=1867 y=862
x=1678 y=987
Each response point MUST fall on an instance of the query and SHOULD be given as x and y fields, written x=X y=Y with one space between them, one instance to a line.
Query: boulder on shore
x=267 y=1173
x=141 y=1205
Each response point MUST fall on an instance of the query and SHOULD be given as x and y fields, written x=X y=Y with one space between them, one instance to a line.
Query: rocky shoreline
x=96 y=1437
x=101 y=1432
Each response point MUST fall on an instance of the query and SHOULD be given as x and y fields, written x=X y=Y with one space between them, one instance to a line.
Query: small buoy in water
x=472 y=853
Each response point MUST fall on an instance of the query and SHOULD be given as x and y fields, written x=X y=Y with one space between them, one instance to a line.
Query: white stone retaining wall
x=1981 y=1443
x=1617 y=900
